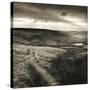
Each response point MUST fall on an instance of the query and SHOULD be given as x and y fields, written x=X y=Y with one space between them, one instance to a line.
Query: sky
x=49 y=16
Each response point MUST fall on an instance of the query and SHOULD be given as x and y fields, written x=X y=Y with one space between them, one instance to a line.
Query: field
x=47 y=58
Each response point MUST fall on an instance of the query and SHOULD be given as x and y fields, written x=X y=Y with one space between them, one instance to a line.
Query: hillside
x=47 y=58
x=43 y=37
x=46 y=66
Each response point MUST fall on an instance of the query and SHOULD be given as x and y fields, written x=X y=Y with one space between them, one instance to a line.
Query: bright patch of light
x=74 y=24
x=78 y=44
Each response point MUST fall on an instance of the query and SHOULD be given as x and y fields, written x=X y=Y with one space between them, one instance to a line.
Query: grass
x=70 y=69
x=66 y=66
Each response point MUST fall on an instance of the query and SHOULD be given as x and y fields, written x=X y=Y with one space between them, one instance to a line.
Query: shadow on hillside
x=69 y=69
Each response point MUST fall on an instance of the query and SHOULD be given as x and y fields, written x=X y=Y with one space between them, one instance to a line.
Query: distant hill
x=44 y=37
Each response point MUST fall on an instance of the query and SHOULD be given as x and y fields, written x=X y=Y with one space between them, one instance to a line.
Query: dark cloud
x=49 y=12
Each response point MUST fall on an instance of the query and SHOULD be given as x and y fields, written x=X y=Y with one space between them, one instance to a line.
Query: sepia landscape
x=46 y=54
x=57 y=58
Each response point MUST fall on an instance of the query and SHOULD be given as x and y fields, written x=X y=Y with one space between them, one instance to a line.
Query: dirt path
x=46 y=76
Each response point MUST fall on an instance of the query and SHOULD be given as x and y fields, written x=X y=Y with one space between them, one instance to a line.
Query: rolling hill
x=43 y=37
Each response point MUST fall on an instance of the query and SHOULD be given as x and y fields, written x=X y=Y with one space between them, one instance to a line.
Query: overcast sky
x=53 y=17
